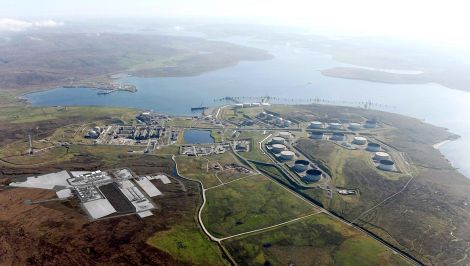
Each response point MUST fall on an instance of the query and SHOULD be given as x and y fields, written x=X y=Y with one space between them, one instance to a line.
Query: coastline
x=438 y=145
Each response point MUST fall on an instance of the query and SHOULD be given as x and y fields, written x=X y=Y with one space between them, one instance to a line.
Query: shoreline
x=438 y=145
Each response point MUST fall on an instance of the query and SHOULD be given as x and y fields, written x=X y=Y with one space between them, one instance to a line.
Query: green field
x=22 y=114
x=202 y=168
x=255 y=152
x=316 y=240
x=188 y=244
x=248 y=204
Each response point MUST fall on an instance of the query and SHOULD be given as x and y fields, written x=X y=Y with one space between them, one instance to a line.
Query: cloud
x=48 y=23
x=9 y=24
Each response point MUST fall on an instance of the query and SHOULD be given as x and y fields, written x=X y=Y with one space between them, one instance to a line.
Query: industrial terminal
x=103 y=194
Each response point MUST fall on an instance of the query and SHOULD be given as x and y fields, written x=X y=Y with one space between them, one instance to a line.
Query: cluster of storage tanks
x=339 y=126
x=311 y=175
x=278 y=121
x=384 y=159
x=247 y=105
x=278 y=147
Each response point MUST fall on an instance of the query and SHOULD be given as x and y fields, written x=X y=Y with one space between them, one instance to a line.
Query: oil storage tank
x=374 y=147
x=316 y=124
x=355 y=126
x=371 y=123
x=312 y=175
x=335 y=126
x=287 y=155
x=278 y=140
x=317 y=135
x=284 y=134
x=277 y=148
x=359 y=140
x=379 y=156
x=301 y=166
x=338 y=136
x=387 y=165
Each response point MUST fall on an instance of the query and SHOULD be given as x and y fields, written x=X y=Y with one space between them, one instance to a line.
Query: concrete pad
x=165 y=180
x=64 y=193
x=144 y=214
x=148 y=187
x=99 y=208
x=48 y=181
x=79 y=173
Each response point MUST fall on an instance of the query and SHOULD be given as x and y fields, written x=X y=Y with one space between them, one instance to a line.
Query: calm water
x=197 y=136
x=294 y=73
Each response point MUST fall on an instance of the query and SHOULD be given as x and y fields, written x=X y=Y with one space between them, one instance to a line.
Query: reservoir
x=194 y=136
x=294 y=73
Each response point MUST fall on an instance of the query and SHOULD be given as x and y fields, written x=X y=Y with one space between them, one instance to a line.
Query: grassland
x=248 y=204
x=316 y=240
x=255 y=152
x=22 y=114
x=201 y=168
x=189 y=244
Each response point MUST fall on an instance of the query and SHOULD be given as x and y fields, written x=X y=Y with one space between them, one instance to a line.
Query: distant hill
x=46 y=60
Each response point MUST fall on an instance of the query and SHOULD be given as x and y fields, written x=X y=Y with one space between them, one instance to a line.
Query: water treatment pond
x=194 y=136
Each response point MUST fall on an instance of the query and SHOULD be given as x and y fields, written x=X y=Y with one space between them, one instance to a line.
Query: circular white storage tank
x=238 y=105
x=387 y=165
x=280 y=121
x=312 y=175
x=287 y=155
x=335 y=126
x=287 y=123
x=256 y=104
x=246 y=104
x=301 y=166
x=270 y=116
x=97 y=129
x=265 y=104
x=355 y=126
x=263 y=114
x=372 y=146
x=338 y=136
x=379 y=156
x=277 y=148
x=317 y=135
x=316 y=124
x=284 y=134
x=360 y=140
x=278 y=140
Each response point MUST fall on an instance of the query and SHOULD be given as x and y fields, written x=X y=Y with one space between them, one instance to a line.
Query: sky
x=435 y=20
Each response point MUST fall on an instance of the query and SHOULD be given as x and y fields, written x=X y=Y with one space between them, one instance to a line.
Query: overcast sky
x=446 y=20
